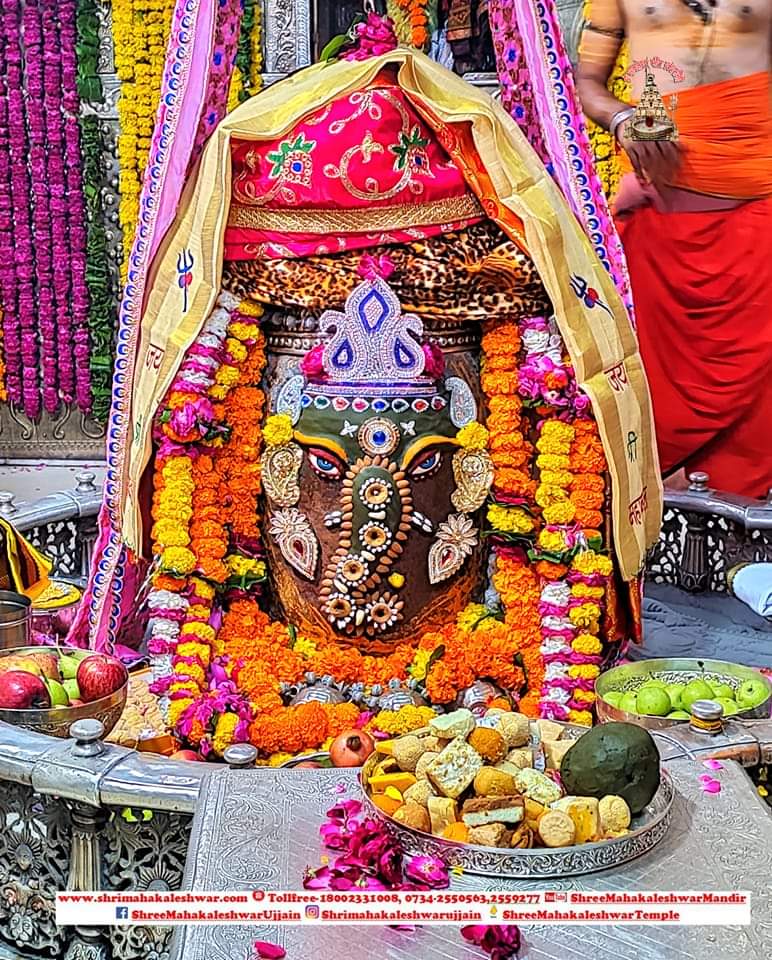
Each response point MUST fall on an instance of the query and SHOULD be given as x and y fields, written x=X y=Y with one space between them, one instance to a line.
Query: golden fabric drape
x=515 y=191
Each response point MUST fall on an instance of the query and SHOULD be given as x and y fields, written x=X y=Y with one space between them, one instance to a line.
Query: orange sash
x=725 y=130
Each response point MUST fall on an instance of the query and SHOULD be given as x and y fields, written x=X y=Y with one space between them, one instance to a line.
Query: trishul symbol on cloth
x=184 y=275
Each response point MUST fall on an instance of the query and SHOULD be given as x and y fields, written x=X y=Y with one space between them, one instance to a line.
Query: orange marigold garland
x=536 y=635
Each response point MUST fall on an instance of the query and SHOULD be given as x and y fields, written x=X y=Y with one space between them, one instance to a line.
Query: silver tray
x=648 y=828
x=630 y=676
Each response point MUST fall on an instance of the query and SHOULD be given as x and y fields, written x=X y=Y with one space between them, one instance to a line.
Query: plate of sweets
x=504 y=796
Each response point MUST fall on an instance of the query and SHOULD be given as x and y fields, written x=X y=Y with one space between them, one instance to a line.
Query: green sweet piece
x=613 y=759
x=722 y=691
x=613 y=697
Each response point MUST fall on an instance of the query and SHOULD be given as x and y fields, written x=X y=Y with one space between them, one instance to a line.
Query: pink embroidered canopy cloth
x=367 y=161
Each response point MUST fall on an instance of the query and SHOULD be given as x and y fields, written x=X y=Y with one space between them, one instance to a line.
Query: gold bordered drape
x=514 y=190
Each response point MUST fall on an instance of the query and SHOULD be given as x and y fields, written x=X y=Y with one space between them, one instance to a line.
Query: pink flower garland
x=41 y=213
x=24 y=382
x=8 y=279
x=75 y=205
x=58 y=189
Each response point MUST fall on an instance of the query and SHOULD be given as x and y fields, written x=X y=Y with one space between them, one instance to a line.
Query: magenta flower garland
x=43 y=292
x=58 y=188
x=20 y=195
x=8 y=281
x=41 y=213
x=75 y=204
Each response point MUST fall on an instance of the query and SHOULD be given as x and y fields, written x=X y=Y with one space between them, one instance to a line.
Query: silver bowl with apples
x=658 y=694
x=46 y=689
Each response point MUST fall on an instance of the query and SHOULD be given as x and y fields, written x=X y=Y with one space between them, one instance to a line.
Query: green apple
x=57 y=693
x=68 y=666
x=653 y=701
x=751 y=693
x=675 y=691
x=728 y=705
x=629 y=703
x=71 y=686
x=722 y=691
x=695 y=690
x=614 y=697
x=678 y=715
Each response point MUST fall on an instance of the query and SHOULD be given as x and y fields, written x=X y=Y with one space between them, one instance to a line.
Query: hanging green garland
x=102 y=315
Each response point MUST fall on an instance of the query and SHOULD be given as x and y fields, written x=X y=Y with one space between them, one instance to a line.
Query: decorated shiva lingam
x=370 y=526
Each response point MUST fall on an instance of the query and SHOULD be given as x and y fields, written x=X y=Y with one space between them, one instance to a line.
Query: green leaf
x=437 y=654
x=334 y=47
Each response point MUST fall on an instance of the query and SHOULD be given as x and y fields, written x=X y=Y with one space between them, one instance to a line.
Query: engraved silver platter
x=647 y=829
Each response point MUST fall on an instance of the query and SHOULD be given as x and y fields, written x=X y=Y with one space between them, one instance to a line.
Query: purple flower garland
x=8 y=280
x=20 y=193
x=58 y=188
x=43 y=290
x=75 y=204
x=41 y=213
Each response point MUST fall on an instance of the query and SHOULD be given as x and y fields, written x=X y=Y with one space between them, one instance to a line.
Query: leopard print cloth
x=472 y=274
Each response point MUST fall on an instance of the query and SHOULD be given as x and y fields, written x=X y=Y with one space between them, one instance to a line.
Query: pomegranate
x=184 y=755
x=351 y=748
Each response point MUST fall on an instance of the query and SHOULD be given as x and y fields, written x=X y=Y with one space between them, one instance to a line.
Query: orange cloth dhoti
x=702 y=286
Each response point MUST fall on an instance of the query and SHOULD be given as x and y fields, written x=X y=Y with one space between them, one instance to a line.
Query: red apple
x=184 y=755
x=308 y=765
x=100 y=675
x=76 y=703
x=20 y=690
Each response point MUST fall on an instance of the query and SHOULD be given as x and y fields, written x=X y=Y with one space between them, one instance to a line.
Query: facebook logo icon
x=121 y=913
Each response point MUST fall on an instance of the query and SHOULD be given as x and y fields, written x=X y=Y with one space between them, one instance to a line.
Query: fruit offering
x=673 y=701
x=475 y=780
x=46 y=679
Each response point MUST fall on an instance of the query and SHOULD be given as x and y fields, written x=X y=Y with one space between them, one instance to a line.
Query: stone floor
x=32 y=479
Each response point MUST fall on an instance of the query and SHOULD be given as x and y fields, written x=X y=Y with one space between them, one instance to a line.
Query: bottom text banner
x=563 y=907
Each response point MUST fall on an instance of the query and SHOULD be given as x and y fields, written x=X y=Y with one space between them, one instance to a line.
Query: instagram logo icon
x=312 y=911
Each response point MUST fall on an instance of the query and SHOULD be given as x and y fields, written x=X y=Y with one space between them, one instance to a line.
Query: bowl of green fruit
x=46 y=689
x=657 y=694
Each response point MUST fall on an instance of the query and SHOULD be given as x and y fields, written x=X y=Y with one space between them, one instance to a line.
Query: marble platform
x=259 y=829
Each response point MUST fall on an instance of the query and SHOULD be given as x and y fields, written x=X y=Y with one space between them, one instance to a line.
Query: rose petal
x=712 y=764
x=269 y=951
x=711 y=786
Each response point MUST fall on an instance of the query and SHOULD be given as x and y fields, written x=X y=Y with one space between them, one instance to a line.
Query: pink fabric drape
x=194 y=91
x=537 y=90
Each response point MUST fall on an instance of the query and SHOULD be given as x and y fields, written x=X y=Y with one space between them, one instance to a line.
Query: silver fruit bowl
x=630 y=676
x=56 y=721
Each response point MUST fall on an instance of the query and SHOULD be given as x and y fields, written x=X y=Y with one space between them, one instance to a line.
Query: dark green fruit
x=613 y=758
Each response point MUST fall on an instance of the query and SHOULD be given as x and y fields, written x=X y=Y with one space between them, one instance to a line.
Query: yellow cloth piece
x=23 y=568
x=515 y=191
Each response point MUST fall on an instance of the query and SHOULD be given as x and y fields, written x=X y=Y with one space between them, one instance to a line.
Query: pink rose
x=312 y=364
x=435 y=360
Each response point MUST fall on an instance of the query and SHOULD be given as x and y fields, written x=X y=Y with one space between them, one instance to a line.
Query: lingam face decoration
x=373 y=470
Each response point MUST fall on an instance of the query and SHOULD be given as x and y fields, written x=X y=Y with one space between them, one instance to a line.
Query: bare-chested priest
x=695 y=217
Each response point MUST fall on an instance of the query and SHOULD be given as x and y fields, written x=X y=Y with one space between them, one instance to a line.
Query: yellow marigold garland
x=140 y=34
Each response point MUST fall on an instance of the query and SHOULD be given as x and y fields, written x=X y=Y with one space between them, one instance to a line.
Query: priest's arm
x=602 y=38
